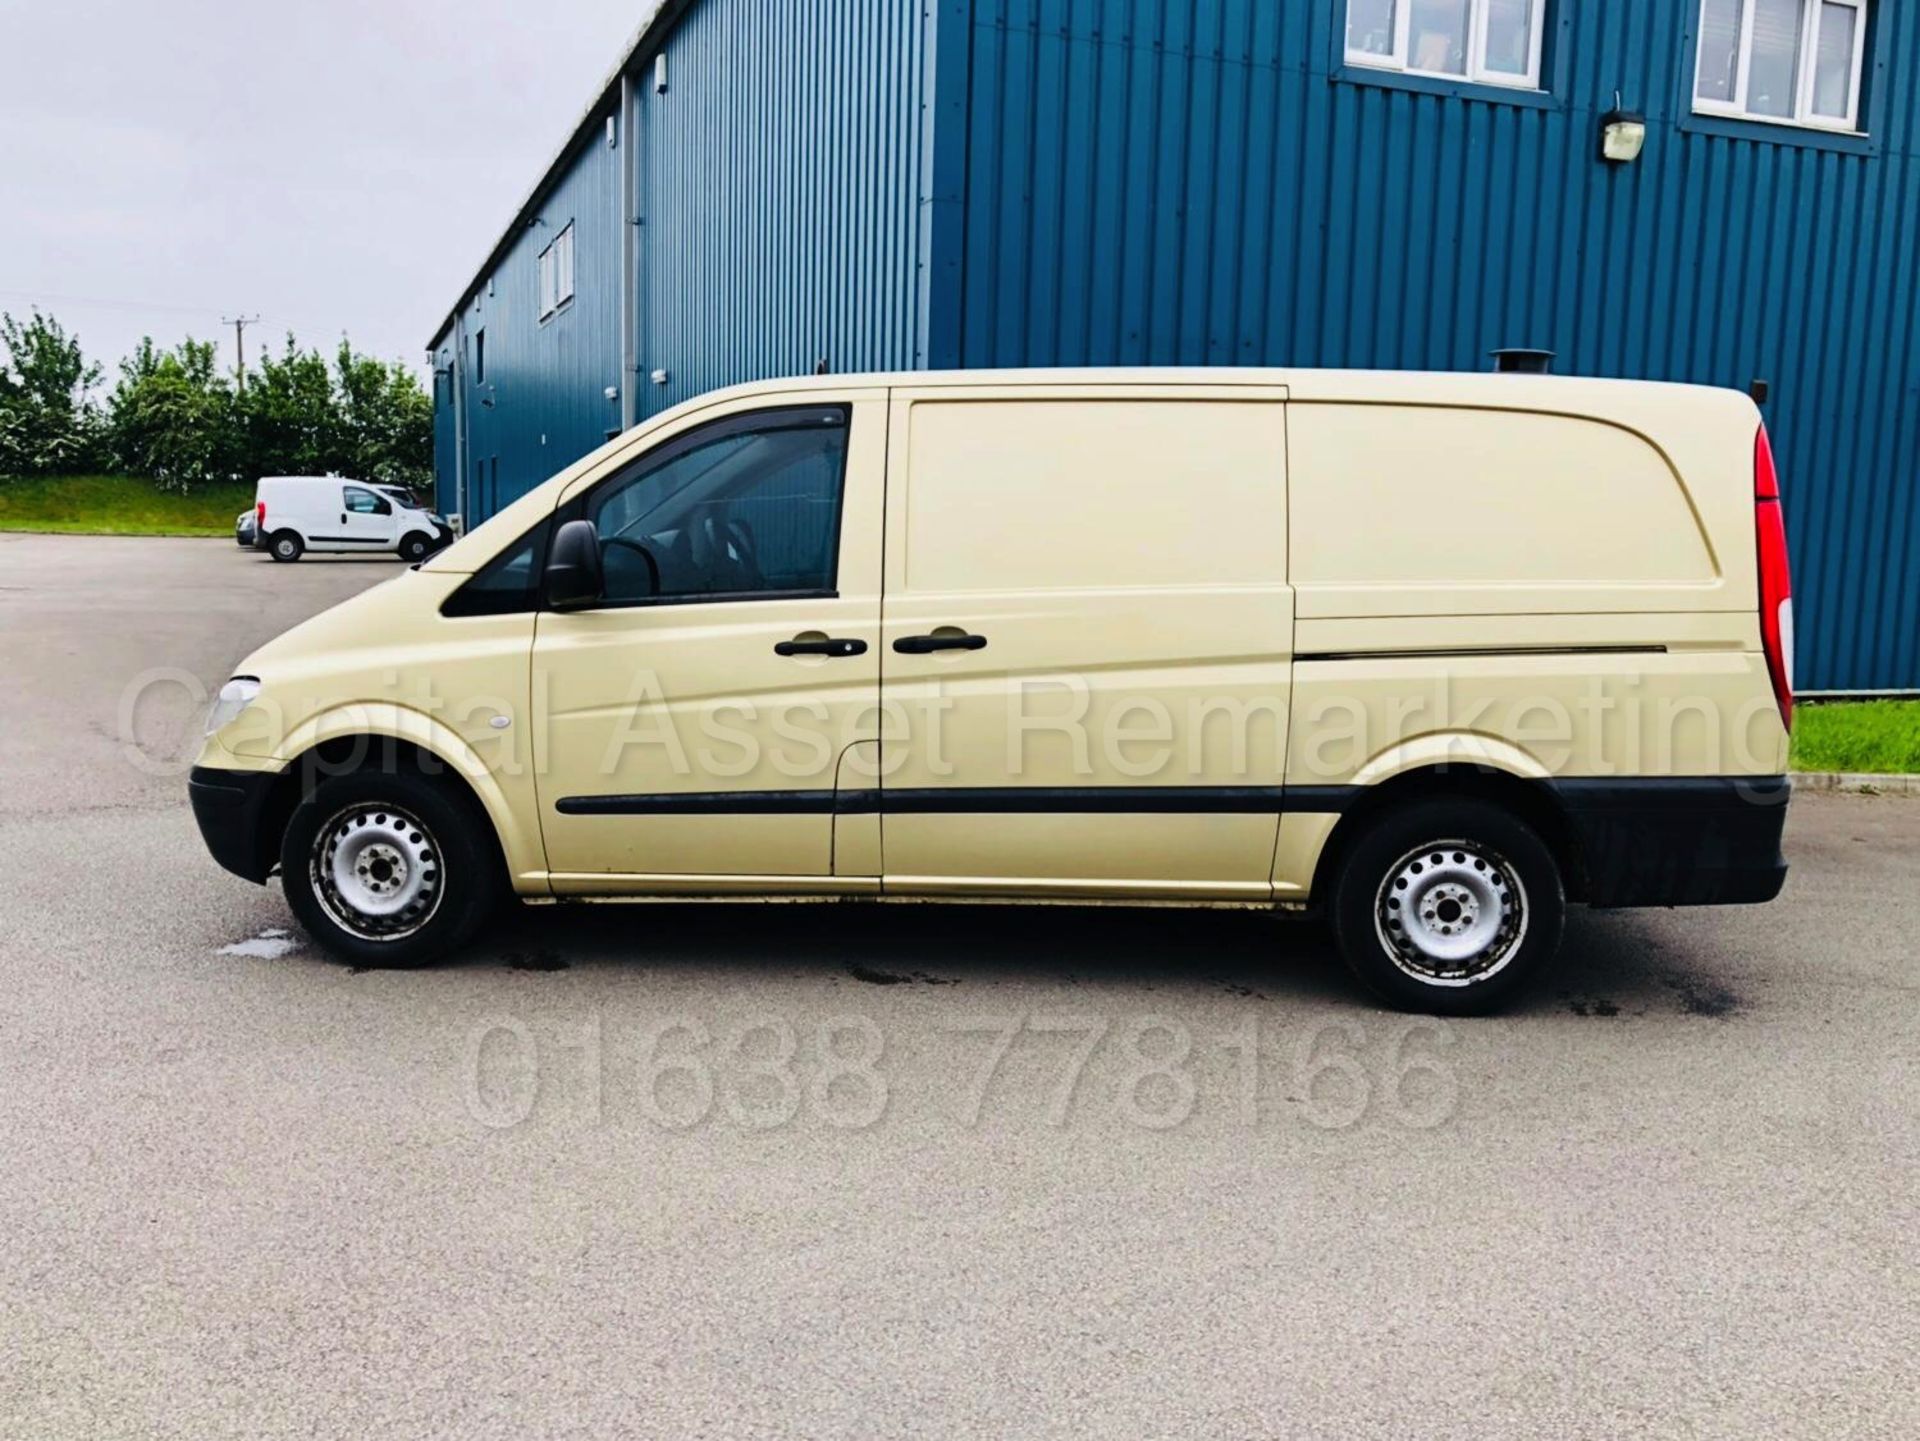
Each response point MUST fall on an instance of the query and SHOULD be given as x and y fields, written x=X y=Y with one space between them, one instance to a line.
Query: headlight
x=235 y=696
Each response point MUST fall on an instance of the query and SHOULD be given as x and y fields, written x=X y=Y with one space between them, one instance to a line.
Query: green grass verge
x=1871 y=737
x=117 y=505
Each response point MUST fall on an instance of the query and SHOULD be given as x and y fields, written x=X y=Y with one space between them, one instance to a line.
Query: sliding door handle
x=821 y=645
x=943 y=639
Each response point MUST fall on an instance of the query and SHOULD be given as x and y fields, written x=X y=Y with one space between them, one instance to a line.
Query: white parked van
x=1432 y=654
x=297 y=513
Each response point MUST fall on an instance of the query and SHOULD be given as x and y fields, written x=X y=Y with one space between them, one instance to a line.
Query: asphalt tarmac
x=842 y=1170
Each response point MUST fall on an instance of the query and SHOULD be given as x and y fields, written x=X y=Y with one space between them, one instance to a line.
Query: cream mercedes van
x=1435 y=654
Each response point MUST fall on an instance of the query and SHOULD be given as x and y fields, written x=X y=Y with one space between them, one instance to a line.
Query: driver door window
x=747 y=507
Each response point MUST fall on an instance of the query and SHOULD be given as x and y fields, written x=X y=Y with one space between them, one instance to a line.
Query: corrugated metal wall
x=543 y=402
x=1063 y=182
x=1205 y=182
x=777 y=194
x=780 y=193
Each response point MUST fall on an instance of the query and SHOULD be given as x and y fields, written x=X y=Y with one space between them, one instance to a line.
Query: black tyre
x=285 y=546
x=1448 y=906
x=390 y=868
x=414 y=546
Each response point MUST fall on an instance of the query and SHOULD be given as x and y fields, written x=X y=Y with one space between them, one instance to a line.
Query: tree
x=386 y=421
x=291 y=419
x=173 y=417
x=49 y=423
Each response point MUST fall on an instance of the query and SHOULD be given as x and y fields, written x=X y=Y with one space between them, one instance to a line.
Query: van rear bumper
x=230 y=808
x=1682 y=841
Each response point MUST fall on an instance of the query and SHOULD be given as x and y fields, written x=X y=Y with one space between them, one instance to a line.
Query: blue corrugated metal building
x=766 y=185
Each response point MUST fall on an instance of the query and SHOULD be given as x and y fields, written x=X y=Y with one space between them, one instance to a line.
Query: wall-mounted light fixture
x=1623 y=134
x=660 y=73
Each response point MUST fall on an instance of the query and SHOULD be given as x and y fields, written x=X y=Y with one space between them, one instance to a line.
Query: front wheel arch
x=349 y=755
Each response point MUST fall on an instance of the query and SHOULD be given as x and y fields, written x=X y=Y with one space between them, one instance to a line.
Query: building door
x=1088 y=640
x=692 y=724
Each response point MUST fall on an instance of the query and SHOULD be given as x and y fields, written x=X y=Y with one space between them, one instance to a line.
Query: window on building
x=749 y=505
x=1793 y=62
x=479 y=357
x=556 y=272
x=1493 y=42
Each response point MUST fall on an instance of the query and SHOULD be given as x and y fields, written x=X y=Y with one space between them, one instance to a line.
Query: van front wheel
x=1448 y=907
x=414 y=547
x=388 y=869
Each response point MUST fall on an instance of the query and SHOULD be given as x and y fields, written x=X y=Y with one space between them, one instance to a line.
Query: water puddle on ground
x=269 y=945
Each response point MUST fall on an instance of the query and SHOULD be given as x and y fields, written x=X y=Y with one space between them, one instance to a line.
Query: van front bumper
x=231 y=808
x=1684 y=841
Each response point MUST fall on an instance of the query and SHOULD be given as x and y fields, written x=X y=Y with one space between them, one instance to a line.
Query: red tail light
x=1776 y=585
x=260 y=515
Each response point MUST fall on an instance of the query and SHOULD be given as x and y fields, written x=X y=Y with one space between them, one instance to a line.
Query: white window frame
x=1803 y=116
x=556 y=272
x=1477 y=71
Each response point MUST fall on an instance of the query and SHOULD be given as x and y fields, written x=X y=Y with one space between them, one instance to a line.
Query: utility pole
x=240 y=324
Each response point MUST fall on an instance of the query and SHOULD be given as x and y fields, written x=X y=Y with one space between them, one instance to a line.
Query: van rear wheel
x=285 y=546
x=388 y=869
x=1448 y=906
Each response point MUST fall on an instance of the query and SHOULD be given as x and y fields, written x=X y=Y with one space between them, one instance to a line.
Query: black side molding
x=945 y=800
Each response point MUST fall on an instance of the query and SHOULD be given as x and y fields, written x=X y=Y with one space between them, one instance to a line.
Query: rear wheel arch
x=1530 y=800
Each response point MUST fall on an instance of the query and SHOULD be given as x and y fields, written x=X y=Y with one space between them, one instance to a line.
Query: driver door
x=366 y=518
x=691 y=725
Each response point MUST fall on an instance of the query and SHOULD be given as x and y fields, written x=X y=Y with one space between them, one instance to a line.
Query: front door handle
x=939 y=640
x=821 y=645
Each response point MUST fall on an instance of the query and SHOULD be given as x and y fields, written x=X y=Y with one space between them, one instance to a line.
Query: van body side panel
x=386 y=664
x=1119 y=555
x=1560 y=586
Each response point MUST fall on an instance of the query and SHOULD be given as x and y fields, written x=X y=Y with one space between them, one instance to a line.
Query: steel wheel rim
x=1451 y=913
x=376 y=871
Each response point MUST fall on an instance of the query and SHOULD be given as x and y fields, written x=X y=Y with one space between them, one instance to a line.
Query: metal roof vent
x=1518 y=360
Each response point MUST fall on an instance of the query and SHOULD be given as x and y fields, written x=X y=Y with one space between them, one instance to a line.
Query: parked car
x=297 y=513
x=243 y=530
x=1433 y=654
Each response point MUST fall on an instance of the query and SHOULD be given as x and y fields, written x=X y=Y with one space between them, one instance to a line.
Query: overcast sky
x=334 y=167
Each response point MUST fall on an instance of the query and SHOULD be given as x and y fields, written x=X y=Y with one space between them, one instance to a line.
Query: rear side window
x=1064 y=494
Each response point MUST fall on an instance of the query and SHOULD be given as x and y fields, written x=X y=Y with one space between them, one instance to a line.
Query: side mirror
x=573 y=575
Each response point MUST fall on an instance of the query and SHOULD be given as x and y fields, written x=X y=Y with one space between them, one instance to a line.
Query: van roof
x=1413 y=385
